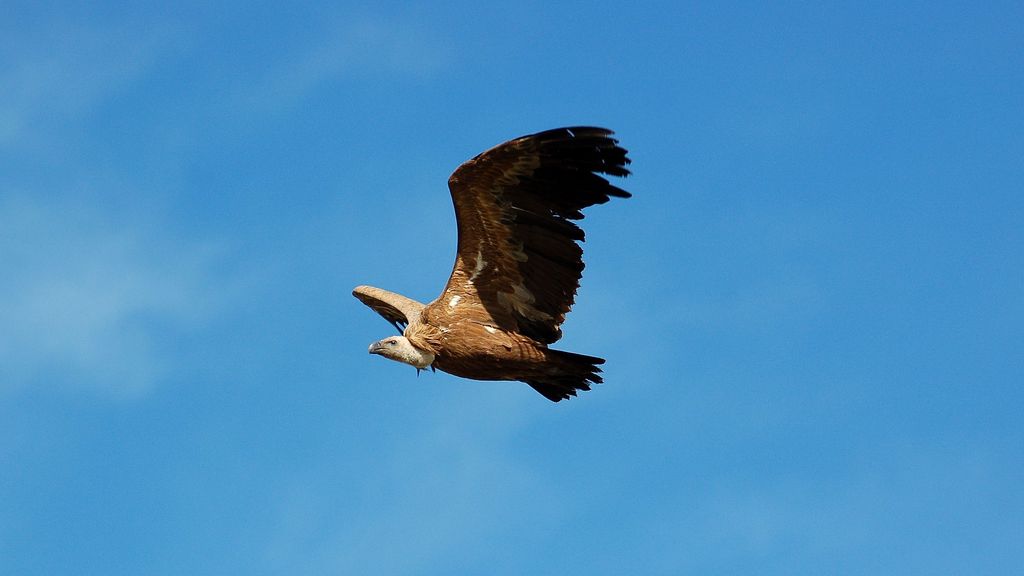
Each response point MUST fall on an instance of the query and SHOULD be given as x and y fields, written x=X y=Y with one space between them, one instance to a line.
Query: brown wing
x=519 y=262
x=395 y=308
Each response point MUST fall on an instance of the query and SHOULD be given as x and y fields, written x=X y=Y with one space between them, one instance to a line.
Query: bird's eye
x=392 y=342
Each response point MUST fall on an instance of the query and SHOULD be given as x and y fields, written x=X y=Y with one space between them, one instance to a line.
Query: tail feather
x=563 y=373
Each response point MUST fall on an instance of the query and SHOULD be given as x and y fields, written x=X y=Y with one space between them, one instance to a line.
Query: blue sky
x=811 y=308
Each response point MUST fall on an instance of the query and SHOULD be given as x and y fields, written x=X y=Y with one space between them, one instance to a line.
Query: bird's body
x=518 y=265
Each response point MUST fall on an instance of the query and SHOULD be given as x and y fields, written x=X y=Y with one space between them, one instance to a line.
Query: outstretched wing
x=395 y=308
x=519 y=258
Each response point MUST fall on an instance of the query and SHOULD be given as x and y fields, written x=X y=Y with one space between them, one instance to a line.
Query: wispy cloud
x=857 y=517
x=431 y=499
x=86 y=296
x=346 y=47
x=59 y=72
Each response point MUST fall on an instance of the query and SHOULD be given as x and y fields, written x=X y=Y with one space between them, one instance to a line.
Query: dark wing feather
x=519 y=258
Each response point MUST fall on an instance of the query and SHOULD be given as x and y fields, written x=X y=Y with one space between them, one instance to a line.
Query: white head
x=399 y=348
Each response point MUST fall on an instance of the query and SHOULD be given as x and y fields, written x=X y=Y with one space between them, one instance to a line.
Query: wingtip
x=365 y=290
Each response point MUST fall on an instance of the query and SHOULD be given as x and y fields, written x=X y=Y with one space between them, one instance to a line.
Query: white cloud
x=86 y=296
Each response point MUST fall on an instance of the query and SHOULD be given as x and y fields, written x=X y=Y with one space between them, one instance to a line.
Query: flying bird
x=518 y=265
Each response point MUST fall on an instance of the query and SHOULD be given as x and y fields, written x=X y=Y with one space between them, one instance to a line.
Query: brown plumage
x=518 y=265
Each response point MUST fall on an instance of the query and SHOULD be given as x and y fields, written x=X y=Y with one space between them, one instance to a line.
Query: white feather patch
x=480 y=265
x=521 y=300
x=454 y=301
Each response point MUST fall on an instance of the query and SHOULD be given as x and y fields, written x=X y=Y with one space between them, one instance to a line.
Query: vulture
x=518 y=265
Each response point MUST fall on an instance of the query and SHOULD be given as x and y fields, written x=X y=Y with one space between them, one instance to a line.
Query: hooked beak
x=376 y=348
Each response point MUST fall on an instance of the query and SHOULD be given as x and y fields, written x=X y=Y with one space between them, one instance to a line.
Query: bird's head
x=399 y=349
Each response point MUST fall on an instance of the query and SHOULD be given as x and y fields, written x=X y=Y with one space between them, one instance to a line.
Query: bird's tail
x=563 y=373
